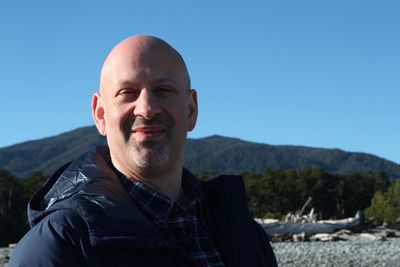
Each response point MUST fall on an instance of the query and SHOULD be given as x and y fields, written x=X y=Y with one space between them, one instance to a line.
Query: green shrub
x=385 y=206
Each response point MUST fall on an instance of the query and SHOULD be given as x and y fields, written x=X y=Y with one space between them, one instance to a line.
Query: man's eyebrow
x=124 y=83
x=167 y=79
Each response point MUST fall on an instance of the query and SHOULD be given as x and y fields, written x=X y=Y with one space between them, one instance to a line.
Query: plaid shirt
x=183 y=224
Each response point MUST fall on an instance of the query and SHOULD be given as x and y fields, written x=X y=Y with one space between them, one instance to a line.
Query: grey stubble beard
x=149 y=155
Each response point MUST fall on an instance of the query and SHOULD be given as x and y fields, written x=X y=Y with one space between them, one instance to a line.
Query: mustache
x=132 y=123
x=157 y=120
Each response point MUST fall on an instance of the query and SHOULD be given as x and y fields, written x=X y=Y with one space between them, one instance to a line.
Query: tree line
x=14 y=196
x=273 y=193
x=333 y=195
x=277 y=192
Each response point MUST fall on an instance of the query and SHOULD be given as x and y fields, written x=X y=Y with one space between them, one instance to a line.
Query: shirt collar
x=158 y=205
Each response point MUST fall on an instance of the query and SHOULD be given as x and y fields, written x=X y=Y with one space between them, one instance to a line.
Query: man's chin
x=152 y=158
x=147 y=146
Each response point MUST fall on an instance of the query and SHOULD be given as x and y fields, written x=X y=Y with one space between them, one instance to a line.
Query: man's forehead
x=143 y=48
x=141 y=55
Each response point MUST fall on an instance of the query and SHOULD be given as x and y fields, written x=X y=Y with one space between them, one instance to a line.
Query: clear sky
x=301 y=72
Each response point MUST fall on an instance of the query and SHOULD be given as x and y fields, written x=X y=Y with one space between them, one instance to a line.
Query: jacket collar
x=89 y=187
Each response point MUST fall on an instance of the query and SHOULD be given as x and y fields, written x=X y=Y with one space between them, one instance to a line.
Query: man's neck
x=169 y=185
x=163 y=180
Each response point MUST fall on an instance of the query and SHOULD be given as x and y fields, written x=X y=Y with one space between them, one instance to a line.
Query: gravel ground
x=356 y=252
x=4 y=254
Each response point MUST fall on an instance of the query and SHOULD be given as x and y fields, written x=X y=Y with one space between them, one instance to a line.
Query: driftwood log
x=354 y=224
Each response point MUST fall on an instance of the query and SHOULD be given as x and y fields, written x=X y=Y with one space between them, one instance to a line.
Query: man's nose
x=146 y=105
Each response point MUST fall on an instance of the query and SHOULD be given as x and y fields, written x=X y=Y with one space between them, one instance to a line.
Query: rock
x=302 y=237
x=266 y=221
x=4 y=256
x=395 y=225
x=281 y=237
x=343 y=234
x=373 y=237
x=325 y=237
x=389 y=233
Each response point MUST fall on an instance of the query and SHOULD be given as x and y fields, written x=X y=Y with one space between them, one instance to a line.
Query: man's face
x=146 y=110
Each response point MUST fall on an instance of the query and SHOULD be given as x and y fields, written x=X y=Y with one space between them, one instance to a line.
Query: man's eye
x=128 y=92
x=165 y=90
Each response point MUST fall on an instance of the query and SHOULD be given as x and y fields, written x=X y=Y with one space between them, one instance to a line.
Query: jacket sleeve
x=264 y=249
x=54 y=241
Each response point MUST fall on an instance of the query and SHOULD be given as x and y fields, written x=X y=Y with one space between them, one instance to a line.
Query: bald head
x=145 y=109
x=141 y=50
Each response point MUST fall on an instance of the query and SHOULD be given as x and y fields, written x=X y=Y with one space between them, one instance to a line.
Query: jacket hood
x=91 y=188
x=69 y=180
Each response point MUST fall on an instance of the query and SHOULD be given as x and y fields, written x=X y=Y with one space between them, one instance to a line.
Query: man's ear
x=193 y=110
x=98 y=113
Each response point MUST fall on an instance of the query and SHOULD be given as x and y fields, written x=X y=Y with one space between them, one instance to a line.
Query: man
x=132 y=203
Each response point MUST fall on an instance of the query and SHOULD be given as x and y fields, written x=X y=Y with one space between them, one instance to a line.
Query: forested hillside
x=215 y=154
x=278 y=179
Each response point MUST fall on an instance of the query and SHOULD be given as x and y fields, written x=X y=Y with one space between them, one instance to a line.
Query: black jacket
x=83 y=217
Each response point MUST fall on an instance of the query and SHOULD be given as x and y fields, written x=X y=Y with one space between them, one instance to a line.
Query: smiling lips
x=149 y=131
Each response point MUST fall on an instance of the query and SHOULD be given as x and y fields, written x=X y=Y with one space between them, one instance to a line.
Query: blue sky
x=311 y=73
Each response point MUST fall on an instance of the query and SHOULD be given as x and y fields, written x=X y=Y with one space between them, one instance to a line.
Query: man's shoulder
x=66 y=217
x=226 y=185
x=225 y=195
x=53 y=241
x=241 y=239
x=60 y=224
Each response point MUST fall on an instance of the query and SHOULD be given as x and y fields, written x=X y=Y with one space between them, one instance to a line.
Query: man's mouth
x=149 y=131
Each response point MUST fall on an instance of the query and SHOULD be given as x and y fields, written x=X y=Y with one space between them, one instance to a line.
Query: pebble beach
x=354 y=252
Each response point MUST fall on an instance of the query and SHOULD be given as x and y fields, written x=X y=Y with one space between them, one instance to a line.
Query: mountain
x=47 y=154
x=219 y=154
x=214 y=154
